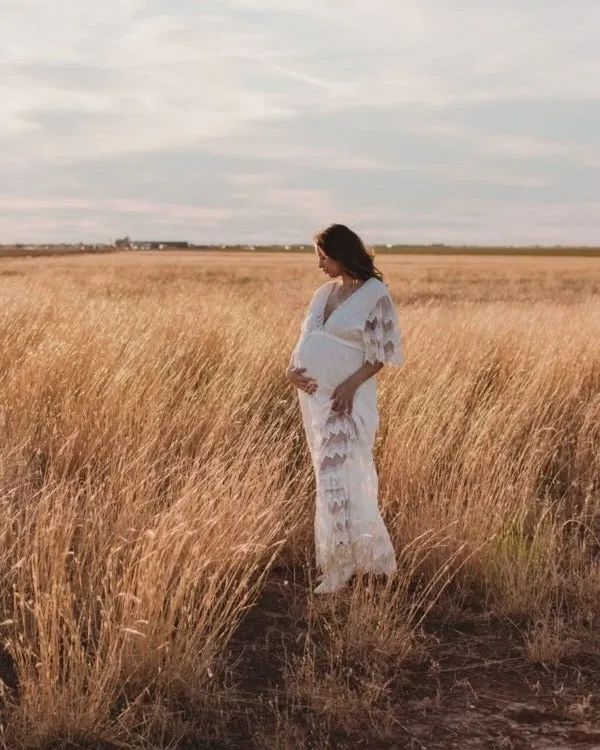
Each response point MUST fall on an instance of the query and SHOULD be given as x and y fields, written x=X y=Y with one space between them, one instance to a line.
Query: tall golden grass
x=154 y=477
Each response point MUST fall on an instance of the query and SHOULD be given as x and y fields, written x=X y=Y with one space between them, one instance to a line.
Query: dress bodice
x=365 y=320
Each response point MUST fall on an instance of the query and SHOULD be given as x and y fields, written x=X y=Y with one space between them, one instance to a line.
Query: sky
x=258 y=121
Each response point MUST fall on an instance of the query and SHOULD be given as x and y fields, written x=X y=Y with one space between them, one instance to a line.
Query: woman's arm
x=366 y=371
x=343 y=396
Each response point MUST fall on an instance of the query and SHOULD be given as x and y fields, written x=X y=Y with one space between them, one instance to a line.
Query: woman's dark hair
x=342 y=244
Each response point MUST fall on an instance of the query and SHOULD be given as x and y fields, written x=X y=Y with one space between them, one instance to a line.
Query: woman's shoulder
x=378 y=288
x=323 y=288
x=320 y=294
x=327 y=285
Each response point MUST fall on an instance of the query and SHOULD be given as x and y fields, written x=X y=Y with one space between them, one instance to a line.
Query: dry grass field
x=156 y=546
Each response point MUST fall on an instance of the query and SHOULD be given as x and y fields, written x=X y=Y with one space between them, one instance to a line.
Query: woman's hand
x=302 y=382
x=343 y=397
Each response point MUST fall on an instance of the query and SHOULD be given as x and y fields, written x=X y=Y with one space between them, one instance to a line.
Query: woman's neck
x=348 y=282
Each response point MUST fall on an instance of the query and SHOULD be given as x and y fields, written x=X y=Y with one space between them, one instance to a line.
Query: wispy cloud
x=250 y=119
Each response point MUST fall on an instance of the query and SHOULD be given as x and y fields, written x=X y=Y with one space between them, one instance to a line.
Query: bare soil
x=470 y=686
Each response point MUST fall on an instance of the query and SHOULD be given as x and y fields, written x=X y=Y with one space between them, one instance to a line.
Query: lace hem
x=381 y=335
x=367 y=551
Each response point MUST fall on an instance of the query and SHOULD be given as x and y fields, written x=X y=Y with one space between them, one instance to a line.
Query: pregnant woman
x=350 y=331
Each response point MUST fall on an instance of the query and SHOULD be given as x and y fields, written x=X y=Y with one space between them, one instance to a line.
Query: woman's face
x=332 y=268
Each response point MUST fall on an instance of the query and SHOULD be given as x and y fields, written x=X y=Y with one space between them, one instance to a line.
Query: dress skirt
x=350 y=534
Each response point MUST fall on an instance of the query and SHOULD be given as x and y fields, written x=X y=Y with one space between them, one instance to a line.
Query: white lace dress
x=350 y=534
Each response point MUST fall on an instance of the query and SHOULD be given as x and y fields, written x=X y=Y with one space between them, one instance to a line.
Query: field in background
x=156 y=547
x=439 y=250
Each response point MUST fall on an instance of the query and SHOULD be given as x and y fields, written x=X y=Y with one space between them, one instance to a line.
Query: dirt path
x=471 y=688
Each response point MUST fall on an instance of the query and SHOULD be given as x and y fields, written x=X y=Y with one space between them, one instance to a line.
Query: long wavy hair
x=342 y=244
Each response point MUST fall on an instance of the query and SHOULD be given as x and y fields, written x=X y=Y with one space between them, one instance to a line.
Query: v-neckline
x=335 y=309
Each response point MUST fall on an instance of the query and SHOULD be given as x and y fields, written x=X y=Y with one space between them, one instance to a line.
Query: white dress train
x=350 y=535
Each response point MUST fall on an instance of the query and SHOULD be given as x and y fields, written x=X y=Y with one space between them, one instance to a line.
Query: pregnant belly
x=328 y=360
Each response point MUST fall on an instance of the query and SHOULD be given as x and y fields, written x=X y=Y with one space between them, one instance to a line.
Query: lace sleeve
x=381 y=335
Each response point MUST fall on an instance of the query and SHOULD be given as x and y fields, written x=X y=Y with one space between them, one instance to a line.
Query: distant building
x=128 y=244
x=159 y=244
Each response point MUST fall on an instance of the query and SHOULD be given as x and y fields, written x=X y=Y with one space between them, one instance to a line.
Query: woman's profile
x=349 y=332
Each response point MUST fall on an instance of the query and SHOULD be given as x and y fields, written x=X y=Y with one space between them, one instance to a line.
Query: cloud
x=261 y=119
